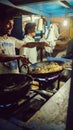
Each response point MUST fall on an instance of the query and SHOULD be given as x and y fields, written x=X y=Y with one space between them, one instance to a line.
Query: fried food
x=52 y=67
x=34 y=85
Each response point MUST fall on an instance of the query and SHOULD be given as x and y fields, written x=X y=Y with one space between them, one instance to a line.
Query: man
x=30 y=32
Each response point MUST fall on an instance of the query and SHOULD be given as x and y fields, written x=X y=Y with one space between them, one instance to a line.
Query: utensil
x=13 y=87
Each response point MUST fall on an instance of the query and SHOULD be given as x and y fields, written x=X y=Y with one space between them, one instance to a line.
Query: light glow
x=65 y=23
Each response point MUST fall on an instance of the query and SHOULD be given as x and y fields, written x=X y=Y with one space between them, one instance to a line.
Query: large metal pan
x=13 y=87
x=41 y=64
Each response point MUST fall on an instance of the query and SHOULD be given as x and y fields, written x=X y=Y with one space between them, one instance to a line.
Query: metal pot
x=13 y=87
x=43 y=75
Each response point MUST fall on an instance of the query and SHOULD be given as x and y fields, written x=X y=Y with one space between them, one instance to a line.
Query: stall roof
x=48 y=8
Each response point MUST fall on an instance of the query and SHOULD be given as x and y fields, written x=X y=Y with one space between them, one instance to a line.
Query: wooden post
x=41 y=49
x=40 y=28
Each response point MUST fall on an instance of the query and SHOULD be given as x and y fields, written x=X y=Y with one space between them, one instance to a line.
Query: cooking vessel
x=13 y=87
x=41 y=64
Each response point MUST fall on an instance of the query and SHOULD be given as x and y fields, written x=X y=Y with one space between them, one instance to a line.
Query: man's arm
x=6 y=58
x=21 y=43
x=35 y=44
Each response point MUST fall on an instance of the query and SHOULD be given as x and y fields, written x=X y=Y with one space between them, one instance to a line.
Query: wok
x=41 y=64
x=13 y=87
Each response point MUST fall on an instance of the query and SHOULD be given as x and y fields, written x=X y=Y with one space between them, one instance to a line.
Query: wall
x=71 y=28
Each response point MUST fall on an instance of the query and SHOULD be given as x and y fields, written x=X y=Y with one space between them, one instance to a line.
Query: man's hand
x=45 y=44
x=24 y=60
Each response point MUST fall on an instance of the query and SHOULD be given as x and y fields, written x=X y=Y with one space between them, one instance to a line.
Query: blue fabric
x=14 y=64
x=58 y=59
x=11 y=64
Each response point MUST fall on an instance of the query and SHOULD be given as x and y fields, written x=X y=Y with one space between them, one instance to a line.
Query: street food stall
x=39 y=98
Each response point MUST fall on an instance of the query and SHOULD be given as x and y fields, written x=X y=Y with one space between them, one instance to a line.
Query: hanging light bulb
x=65 y=23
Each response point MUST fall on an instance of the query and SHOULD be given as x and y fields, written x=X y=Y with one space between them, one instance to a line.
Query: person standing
x=30 y=33
x=8 y=58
